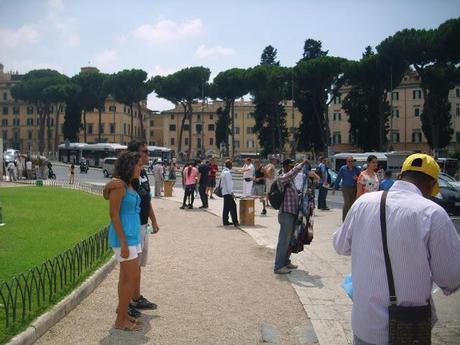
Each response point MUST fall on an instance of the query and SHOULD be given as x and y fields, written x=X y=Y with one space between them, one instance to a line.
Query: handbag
x=218 y=189
x=407 y=325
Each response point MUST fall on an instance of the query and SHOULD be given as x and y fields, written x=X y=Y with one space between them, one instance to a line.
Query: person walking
x=203 y=176
x=142 y=186
x=348 y=175
x=387 y=181
x=124 y=235
x=259 y=184
x=158 y=176
x=323 y=172
x=368 y=180
x=213 y=169
x=287 y=215
x=226 y=181
x=190 y=180
x=411 y=234
x=248 y=176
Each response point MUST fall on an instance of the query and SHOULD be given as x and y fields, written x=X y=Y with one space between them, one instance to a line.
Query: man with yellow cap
x=421 y=243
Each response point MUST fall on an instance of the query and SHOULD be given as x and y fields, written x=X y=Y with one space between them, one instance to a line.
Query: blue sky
x=164 y=36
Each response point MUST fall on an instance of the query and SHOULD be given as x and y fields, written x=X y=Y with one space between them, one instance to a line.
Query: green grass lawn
x=43 y=222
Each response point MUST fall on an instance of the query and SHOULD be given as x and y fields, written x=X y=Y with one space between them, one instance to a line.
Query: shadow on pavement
x=116 y=336
x=303 y=279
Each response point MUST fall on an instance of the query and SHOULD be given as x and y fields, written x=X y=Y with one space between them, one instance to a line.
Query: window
x=5 y=135
x=457 y=92
x=5 y=96
x=337 y=117
x=15 y=122
x=395 y=112
x=186 y=141
x=198 y=143
x=211 y=116
x=152 y=123
x=198 y=117
x=236 y=115
x=129 y=129
x=172 y=116
x=52 y=122
x=250 y=116
x=237 y=130
x=151 y=133
x=89 y=128
x=112 y=108
x=112 y=128
x=211 y=141
x=237 y=144
x=15 y=109
x=5 y=122
x=30 y=122
x=198 y=127
x=416 y=94
x=336 y=138
x=30 y=109
x=250 y=144
x=395 y=137
x=457 y=137
x=417 y=112
x=395 y=96
x=457 y=110
x=211 y=127
x=135 y=114
x=249 y=130
x=124 y=108
x=338 y=99
x=29 y=135
x=5 y=111
x=186 y=127
x=173 y=141
x=416 y=136
x=172 y=128
x=124 y=128
x=101 y=128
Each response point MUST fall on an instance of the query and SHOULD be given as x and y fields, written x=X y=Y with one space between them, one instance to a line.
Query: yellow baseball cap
x=424 y=164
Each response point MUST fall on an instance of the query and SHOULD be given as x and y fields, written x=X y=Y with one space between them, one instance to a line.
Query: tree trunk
x=99 y=137
x=179 y=147
x=84 y=126
x=48 y=133
x=41 y=131
x=132 y=122
x=56 y=131
x=143 y=136
x=232 y=105
x=190 y=115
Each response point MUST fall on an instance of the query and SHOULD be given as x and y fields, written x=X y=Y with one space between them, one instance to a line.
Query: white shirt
x=29 y=165
x=11 y=166
x=423 y=247
x=250 y=172
x=226 y=181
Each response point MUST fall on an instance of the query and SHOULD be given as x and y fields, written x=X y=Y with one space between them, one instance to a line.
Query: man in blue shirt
x=387 y=182
x=348 y=174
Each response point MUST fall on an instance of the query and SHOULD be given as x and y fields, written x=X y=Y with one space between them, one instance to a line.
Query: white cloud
x=203 y=52
x=106 y=60
x=168 y=30
x=159 y=70
x=73 y=40
x=55 y=5
x=156 y=103
x=26 y=34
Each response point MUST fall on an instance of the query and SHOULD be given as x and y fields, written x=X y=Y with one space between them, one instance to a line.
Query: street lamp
x=202 y=121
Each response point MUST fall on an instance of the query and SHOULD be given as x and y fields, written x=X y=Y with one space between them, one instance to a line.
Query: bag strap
x=383 y=225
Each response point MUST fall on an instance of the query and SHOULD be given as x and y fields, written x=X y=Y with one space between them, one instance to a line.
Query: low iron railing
x=84 y=186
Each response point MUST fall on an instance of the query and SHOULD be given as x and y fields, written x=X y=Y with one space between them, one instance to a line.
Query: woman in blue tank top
x=124 y=234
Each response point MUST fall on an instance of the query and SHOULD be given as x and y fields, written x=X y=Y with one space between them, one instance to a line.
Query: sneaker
x=226 y=224
x=190 y=207
x=236 y=225
x=264 y=212
x=291 y=266
x=133 y=312
x=182 y=207
x=143 y=303
x=211 y=197
x=283 y=270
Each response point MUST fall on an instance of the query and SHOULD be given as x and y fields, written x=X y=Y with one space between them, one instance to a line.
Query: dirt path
x=213 y=285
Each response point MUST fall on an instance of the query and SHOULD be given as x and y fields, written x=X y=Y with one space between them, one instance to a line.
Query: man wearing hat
x=287 y=215
x=422 y=243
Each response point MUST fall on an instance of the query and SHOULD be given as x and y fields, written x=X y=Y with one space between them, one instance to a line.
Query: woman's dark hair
x=134 y=145
x=189 y=169
x=371 y=158
x=125 y=164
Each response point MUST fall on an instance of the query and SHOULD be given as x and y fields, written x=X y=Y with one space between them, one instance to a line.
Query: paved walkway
x=213 y=285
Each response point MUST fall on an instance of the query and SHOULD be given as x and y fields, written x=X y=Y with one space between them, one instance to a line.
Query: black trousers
x=229 y=206
x=203 y=194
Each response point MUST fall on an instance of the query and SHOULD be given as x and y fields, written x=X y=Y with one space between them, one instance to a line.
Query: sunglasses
x=144 y=151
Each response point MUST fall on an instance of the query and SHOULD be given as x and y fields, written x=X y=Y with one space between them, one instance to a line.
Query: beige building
x=405 y=127
x=245 y=139
x=20 y=121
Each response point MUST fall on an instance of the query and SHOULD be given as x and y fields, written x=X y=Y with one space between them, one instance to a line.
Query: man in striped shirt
x=422 y=243
x=287 y=215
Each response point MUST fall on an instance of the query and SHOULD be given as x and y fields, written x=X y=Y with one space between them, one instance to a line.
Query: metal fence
x=84 y=186
x=24 y=296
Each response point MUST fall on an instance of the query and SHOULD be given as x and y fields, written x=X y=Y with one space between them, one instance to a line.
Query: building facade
x=405 y=127
x=20 y=121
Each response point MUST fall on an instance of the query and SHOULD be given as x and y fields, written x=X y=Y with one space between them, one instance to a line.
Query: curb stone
x=43 y=323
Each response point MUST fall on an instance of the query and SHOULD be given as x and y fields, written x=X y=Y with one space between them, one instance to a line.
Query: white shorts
x=268 y=184
x=144 y=246
x=133 y=253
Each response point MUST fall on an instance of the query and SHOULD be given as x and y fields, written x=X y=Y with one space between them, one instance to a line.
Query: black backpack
x=275 y=196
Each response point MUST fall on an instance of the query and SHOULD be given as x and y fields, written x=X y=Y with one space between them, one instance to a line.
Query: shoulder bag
x=218 y=189
x=407 y=325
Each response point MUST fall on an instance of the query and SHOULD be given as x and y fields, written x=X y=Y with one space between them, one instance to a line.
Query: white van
x=108 y=164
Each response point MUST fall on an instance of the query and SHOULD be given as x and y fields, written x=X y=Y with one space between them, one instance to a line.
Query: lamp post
x=292 y=117
x=202 y=121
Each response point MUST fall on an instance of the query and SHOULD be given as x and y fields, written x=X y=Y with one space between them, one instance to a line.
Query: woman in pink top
x=190 y=178
x=368 y=181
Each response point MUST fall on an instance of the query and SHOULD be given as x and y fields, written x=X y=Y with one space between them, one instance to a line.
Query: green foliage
x=313 y=49
x=269 y=56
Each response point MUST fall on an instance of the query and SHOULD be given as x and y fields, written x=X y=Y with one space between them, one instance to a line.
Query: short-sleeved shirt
x=213 y=169
x=386 y=184
x=370 y=183
x=190 y=177
x=29 y=165
x=203 y=169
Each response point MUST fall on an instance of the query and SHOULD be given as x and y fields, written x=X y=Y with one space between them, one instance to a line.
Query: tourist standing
x=248 y=175
x=203 y=176
x=259 y=184
x=287 y=215
x=348 y=175
x=368 y=180
x=190 y=180
x=29 y=168
x=158 y=176
x=422 y=248
x=323 y=172
x=226 y=181
x=213 y=169
x=11 y=167
x=72 y=174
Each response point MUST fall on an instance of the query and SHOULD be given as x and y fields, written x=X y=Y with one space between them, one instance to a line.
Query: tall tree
x=313 y=49
x=182 y=88
x=230 y=85
x=223 y=127
x=130 y=87
x=269 y=56
x=72 y=117
x=34 y=88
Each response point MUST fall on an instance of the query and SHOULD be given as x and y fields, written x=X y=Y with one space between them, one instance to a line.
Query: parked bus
x=71 y=153
x=95 y=153
x=166 y=154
